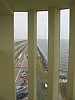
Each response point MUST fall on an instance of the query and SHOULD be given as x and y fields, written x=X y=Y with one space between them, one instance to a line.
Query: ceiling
x=7 y=6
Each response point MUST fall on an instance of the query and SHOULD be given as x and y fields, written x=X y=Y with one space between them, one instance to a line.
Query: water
x=64 y=48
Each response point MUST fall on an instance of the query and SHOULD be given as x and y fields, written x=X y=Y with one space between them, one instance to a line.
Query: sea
x=64 y=51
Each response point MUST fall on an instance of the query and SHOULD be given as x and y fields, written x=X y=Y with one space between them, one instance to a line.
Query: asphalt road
x=21 y=65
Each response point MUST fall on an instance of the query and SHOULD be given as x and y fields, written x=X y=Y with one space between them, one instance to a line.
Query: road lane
x=20 y=69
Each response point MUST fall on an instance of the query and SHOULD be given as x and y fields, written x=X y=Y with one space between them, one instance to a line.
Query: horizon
x=15 y=40
x=21 y=24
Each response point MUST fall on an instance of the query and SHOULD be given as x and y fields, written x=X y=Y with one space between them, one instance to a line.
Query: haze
x=21 y=25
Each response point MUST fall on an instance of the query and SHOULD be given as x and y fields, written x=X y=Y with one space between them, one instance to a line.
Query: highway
x=21 y=62
x=18 y=49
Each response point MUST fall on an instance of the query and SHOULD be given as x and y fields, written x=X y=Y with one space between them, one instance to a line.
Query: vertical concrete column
x=32 y=23
x=7 y=88
x=53 y=52
x=71 y=67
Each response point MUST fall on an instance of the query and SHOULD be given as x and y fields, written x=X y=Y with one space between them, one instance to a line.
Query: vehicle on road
x=25 y=78
x=23 y=74
x=24 y=71
x=21 y=94
x=20 y=88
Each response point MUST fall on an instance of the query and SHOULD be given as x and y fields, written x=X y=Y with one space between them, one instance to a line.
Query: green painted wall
x=7 y=89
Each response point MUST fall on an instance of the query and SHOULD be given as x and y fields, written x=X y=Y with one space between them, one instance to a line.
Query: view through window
x=42 y=54
x=21 y=55
x=64 y=51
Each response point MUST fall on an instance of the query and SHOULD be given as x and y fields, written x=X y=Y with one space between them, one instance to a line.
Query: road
x=20 y=65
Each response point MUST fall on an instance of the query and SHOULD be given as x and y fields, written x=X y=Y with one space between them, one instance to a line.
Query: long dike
x=45 y=62
x=62 y=77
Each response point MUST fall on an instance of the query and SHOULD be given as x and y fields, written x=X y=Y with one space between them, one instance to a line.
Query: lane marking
x=17 y=75
x=20 y=55
x=20 y=68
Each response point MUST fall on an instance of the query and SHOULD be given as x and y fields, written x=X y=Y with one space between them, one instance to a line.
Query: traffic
x=21 y=71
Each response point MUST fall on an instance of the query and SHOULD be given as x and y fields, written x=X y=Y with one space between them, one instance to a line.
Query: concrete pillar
x=32 y=23
x=71 y=68
x=53 y=52
x=7 y=88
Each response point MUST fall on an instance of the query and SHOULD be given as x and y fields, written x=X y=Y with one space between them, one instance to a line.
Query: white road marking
x=17 y=75
x=20 y=55
x=20 y=68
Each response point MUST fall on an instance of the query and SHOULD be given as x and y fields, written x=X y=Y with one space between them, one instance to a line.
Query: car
x=21 y=94
x=24 y=71
x=20 y=88
x=26 y=78
x=23 y=74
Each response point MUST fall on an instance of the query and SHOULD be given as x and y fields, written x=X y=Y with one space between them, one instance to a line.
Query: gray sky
x=42 y=25
x=21 y=25
x=64 y=24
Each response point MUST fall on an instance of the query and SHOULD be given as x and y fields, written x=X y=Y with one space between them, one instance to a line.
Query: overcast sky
x=21 y=25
